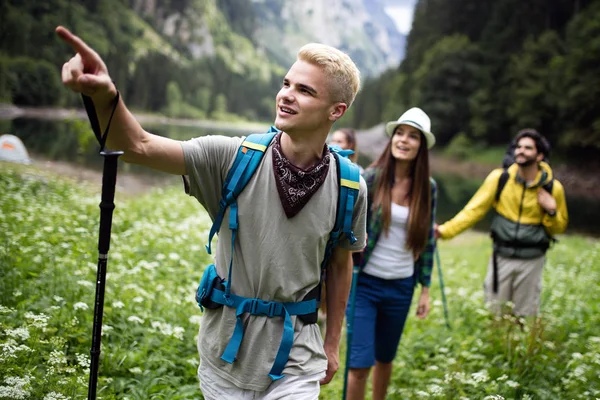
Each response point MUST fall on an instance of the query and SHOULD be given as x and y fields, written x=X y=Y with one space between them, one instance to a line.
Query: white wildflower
x=502 y=378
x=21 y=333
x=512 y=384
x=55 y=396
x=10 y=349
x=168 y=330
x=6 y=310
x=57 y=357
x=178 y=332
x=37 y=320
x=481 y=376
x=195 y=319
x=435 y=390
x=138 y=299
x=83 y=360
x=16 y=389
x=135 y=370
x=80 y=306
x=17 y=293
x=85 y=283
x=118 y=304
x=549 y=345
x=135 y=319
x=174 y=256
x=421 y=394
x=106 y=329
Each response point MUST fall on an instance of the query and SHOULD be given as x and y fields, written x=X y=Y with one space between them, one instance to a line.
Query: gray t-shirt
x=275 y=258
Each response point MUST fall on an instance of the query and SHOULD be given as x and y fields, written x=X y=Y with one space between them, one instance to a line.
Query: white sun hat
x=417 y=118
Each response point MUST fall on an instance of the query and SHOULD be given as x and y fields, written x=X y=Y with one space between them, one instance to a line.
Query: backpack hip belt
x=214 y=291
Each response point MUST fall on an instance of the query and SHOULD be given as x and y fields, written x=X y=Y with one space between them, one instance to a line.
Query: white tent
x=12 y=149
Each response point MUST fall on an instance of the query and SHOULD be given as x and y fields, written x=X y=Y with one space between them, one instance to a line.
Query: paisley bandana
x=295 y=185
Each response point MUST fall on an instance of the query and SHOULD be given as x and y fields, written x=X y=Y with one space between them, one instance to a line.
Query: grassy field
x=48 y=257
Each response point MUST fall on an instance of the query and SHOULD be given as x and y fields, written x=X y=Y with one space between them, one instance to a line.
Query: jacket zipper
x=520 y=212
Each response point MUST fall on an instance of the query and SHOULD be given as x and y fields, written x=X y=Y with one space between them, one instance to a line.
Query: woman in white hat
x=399 y=251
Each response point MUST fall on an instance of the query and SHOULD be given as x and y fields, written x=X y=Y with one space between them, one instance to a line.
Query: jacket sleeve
x=476 y=208
x=424 y=264
x=558 y=223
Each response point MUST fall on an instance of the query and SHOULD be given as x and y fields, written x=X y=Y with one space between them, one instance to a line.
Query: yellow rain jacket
x=521 y=228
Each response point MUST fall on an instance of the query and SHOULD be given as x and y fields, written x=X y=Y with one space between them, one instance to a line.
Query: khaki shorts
x=519 y=281
x=292 y=387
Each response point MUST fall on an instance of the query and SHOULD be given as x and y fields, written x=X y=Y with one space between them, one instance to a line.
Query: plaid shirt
x=424 y=264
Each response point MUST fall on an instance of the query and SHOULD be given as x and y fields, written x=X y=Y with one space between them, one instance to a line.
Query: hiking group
x=317 y=217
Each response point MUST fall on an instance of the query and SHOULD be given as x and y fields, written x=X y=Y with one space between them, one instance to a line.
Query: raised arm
x=474 y=211
x=86 y=73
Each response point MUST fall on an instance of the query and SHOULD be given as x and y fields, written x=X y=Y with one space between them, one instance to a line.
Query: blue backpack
x=214 y=291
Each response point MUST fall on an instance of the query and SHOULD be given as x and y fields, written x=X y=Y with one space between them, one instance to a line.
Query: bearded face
x=526 y=153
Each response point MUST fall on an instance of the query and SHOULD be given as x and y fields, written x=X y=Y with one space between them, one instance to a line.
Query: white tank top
x=390 y=258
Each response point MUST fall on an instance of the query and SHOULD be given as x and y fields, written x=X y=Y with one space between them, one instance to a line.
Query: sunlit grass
x=48 y=256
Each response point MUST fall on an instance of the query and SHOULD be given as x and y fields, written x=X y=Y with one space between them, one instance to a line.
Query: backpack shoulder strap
x=348 y=193
x=349 y=185
x=548 y=186
x=247 y=160
x=501 y=183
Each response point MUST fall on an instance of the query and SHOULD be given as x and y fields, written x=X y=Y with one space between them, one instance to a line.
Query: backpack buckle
x=266 y=308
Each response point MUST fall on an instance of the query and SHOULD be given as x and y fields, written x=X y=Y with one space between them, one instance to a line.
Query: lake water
x=73 y=141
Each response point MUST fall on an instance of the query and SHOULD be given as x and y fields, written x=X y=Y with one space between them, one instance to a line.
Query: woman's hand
x=423 y=305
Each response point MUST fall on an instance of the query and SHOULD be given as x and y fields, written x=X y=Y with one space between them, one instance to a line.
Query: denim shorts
x=380 y=310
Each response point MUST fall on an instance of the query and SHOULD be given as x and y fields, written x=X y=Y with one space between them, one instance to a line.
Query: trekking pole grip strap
x=90 y=110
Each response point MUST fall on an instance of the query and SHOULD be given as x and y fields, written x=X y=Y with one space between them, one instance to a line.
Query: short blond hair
x=339 y=68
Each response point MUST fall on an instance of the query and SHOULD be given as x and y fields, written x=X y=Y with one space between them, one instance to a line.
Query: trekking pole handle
x=107 y=203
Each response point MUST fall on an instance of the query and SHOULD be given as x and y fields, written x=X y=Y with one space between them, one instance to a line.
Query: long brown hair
x=419 y=218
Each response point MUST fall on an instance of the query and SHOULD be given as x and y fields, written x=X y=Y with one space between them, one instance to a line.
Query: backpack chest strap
x=271 y=309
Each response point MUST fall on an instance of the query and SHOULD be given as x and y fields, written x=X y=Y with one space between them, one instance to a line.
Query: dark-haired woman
x=399 y=252
x=346 y=139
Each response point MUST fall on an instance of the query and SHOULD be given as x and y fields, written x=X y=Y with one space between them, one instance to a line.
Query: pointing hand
x=86 y=73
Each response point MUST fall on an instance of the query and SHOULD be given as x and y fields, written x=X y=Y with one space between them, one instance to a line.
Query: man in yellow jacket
x=530 y=208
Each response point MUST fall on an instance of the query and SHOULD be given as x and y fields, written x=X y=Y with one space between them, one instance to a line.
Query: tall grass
x=48 y=239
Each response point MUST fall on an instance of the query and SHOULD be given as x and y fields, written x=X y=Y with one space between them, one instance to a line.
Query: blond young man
x=279 y=249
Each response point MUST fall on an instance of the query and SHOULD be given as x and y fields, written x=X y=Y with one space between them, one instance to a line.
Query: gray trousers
x=519 y=282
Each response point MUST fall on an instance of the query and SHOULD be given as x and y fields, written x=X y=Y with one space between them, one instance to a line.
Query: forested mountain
x=193 y=58
x=360 y=28
x=485 y=69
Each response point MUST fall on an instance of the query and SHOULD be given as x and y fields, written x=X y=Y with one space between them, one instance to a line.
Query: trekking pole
x=107 y=205
x=444 y=303
x=350 y=326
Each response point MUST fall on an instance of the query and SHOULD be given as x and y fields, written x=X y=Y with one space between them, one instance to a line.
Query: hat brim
x=390 y=127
